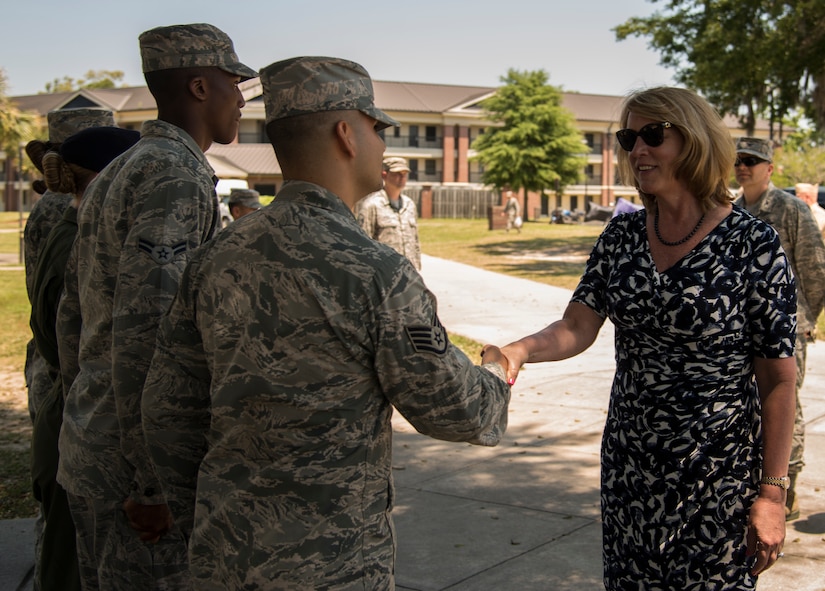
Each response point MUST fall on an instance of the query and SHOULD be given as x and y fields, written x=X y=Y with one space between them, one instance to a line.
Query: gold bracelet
x=780 y=481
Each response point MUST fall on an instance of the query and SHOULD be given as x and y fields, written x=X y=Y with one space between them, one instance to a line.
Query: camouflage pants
x=113 y=558
x=798 y=445
x=39 y=380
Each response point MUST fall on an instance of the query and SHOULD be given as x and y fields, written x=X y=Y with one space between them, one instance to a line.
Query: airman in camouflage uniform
x=389 y=216
x=267 y=406
x=45 y=214
x=803 y=245
x=69 y=169
x=137 y=225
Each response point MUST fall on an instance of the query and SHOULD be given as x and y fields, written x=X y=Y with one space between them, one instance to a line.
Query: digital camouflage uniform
x=395 y=228
x=803 y=245
x=267 y=408
x=137 y=225
x=58 y=552
x=44 y=215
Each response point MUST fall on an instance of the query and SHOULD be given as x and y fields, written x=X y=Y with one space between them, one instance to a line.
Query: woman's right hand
x=516 y=355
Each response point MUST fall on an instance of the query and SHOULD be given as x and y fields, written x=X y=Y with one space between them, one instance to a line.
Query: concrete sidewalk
x=525 y=515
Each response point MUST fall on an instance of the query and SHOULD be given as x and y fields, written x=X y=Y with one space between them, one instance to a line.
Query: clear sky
x=439 y=41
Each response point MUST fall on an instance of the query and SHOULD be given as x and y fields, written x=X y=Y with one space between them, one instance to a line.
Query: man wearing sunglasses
x=803 y=245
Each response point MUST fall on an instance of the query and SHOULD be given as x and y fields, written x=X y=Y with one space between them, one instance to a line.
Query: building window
x=413 y=136
x=429 y=167
x=430 y=133
x=413 y=169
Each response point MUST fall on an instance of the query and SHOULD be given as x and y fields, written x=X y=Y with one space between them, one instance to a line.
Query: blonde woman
x=697 y=439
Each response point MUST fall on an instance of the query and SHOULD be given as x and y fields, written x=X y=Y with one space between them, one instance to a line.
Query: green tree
x=92 y=79
x=801 y=158
x=16 y=128
x=750 y=58
x=534 y=144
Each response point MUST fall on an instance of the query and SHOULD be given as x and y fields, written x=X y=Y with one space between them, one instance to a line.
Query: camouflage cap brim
x=761 y=148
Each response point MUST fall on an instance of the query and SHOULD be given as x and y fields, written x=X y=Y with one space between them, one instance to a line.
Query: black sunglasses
x=748 y=161
x=653 y=134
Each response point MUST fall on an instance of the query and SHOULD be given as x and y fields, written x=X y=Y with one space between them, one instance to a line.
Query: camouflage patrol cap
x=755 y=146
x=190 y=46
x=303 y=85
x=396 y=164
x=245 y=197
x=67 y=122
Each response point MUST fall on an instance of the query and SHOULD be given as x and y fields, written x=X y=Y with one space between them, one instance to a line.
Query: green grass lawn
x=549 y=253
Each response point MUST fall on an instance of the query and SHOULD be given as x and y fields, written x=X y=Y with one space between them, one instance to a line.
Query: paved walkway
x=525 y=515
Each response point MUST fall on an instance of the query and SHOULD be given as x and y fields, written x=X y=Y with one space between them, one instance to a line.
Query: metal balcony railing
x=405 y=141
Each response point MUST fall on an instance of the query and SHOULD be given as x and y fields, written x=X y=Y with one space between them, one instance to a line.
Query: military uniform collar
x=164 y=129
x=314 y=195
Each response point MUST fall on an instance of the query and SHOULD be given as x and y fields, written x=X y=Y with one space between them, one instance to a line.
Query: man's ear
x=199 y=87
x=345 y=134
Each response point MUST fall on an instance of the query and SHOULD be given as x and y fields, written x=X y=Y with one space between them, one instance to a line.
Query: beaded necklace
x=678 y=242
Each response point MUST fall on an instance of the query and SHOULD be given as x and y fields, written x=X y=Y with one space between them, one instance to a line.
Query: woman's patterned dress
x=681 y=447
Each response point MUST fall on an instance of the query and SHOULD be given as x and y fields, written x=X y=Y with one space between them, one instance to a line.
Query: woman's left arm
x=776 y=380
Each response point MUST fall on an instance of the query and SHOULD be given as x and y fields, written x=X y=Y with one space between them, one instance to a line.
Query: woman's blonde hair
x=708 y=155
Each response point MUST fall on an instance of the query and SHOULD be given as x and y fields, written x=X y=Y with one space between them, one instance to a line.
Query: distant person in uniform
x=268 y=403
x=243 y=202
x=802 y=241
x=512 y=210
x=67 y=170
x=138 y=224
x=388 y=215
x=809 y=193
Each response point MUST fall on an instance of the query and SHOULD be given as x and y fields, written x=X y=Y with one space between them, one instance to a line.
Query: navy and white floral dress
x=681 y=447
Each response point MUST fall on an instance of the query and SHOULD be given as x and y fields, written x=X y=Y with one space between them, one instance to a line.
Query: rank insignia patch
x=428 y=339
x=161 y=253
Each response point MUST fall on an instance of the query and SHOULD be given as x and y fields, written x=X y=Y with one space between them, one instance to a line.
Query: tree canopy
x=92 y=79
x=535 y=144
x=750 y=58
x=16 y=126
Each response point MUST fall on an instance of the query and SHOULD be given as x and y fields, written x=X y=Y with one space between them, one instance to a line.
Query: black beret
x=95 y=147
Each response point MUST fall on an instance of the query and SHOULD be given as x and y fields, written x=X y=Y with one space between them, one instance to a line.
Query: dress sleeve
x=592 y=288
x=772 y=298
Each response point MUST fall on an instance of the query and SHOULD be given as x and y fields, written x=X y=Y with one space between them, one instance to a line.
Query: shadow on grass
x=549 y=247
x=539 y=258
x=16 y=498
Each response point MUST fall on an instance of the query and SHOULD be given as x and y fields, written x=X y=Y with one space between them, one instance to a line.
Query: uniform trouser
x=39 y=379
x=798 y=445
x=113 y=558
x=56 y=562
